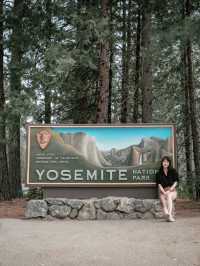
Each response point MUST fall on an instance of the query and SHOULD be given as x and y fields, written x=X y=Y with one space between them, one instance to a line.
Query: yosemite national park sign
x=97 y=155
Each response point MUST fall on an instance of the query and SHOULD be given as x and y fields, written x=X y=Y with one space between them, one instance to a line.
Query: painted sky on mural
x=118 y=137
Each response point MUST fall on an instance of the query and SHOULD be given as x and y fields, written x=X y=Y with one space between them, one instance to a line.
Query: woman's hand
x=161 y=189
x=164 y=192
x=167 y=192
x=172 y=188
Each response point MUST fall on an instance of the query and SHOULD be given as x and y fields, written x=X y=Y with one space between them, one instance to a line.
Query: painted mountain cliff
x=86 y=146
x=149 y=150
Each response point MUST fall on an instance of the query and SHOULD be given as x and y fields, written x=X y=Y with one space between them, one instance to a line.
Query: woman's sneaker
x=171 y=219
x=166 y=216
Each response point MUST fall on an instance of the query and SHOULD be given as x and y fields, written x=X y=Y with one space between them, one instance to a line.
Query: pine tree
x=136 y=96
x=103 y=80
x=192 y=105
x=146 y=81
x=5 y=192
x=15 y=92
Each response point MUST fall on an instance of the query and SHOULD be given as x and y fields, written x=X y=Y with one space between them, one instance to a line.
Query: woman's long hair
x=161 y=164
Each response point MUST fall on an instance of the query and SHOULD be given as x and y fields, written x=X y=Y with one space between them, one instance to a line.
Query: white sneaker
x=166 y=215
x=171 y=219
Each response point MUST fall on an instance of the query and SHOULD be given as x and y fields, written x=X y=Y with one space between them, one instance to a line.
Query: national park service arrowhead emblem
x=43 y=138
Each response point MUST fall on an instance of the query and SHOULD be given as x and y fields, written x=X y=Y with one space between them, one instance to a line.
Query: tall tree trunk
x=124 y=93
x=47 y=90
x=128 y=54
x=193 y=111
x=80 y=115
x=137 y=67
x=187 y=122
x=187 y=118
x=103 y=81
x=5 y=192
x=47 y=105
x=147 y=63
x=15 y=90
x=111 y=64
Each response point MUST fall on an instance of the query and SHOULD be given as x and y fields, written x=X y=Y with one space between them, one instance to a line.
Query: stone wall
x=94 y=209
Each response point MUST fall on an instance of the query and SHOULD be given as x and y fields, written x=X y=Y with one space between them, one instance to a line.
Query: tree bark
x=187 y=118
x=80 y=115
x=111 y=63
x=15 y=90
x=137 y=67
x=47 y=90
x=103 y=80
x=193 y=111
x=124 y=93
x=5 y=193
x=128 y=55
x=187 y=123
x=146 y=64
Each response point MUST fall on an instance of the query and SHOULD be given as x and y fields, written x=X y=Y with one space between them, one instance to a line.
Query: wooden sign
x=97 y=155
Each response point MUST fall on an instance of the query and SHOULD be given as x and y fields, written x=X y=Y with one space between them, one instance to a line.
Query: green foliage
x=60 y=48
x=184 y=190
x=34 y=193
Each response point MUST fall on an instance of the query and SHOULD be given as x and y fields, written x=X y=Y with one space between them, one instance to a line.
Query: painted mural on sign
x=101 y=155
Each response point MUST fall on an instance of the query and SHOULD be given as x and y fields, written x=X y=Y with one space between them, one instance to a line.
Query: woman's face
x=165 y=163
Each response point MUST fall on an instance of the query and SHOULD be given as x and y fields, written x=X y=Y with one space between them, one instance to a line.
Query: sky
x=118 y=137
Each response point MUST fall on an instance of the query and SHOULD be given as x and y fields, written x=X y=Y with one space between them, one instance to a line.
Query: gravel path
x=100 y=243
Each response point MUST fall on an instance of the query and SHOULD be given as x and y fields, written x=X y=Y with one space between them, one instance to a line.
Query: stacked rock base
x=109 y=208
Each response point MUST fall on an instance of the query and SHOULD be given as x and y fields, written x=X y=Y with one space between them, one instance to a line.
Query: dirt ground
x=12 y=209
x=16 y=208
x=100 y=243
x=38 y=242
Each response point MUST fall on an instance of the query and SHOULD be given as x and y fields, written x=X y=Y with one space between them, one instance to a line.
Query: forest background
x=84 y=61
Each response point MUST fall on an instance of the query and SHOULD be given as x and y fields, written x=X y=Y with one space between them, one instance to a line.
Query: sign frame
x=110 y=184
